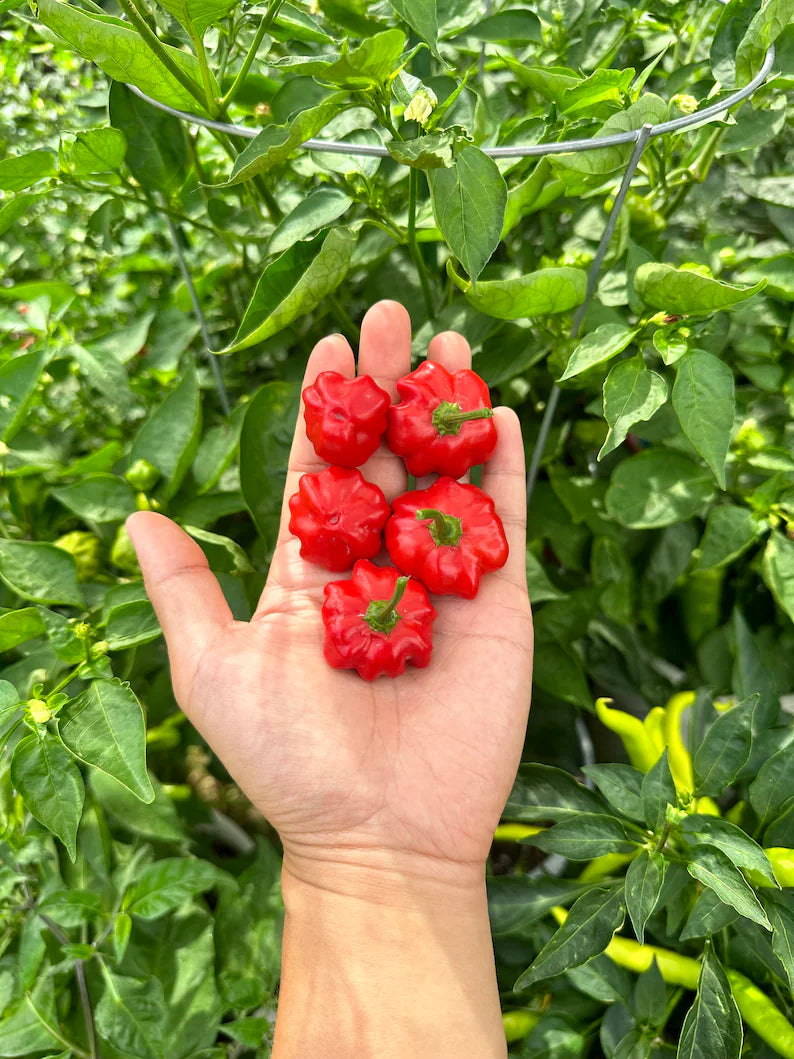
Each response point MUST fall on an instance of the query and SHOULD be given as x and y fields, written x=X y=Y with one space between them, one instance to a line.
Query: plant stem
x=663 y=837
x=206 y=76
x=242 y=73
x=344 y=317
x=156 y=45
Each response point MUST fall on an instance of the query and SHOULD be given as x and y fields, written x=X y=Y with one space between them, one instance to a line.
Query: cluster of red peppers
x=441 y=539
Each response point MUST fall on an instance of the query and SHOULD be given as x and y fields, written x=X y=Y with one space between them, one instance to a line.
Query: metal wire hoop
x=537 y=150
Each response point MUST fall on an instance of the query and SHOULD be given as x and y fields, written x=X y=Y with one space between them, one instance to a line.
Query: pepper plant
x=161 y=286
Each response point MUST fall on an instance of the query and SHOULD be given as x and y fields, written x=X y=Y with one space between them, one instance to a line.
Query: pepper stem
x=381 y=614
x=444 y=529
x=448 y=418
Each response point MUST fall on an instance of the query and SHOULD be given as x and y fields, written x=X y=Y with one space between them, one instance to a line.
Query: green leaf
x=621 y=785
x=21 y=1029
x=104 y=727
x=778 y=570
x=658 y=791
x=518 y=25
x=734 y=19
x=122 y=54
x=155 y=820
x=543 y=293
x=19 y=378
x=198 y=14
x=713 y=1025
x=781 y=831
x=131 y=625
x=436 y=150
x=538 y=582
x=708 y=916
x=751 y=675
x=217 y=450
x=602 y=980
x=515 y=902
x=765 y=28
x=650 y=997
x=644 y=880
x=294 y=284
x=725 y=748
x=542 y=792
x=730 y=530
x=264 y=453
x=94 y=151
x=18 y=626
x=681 y=292
x=19 y=171
x=169 y=884
x=773 y=785
x=275 y=143
x=600 y=86
x=224 y=556
x=71 y=908
x=734 y=843
x=421 y=16
x=157 y=152
x=586 y=932
x=98 y=498
x=169 y=437
x=469 y=200
x=18 y=206
x=40 y=572
x=715 y=870
x=704 y=401
x=598 y=347
x=602 y=161
x=587 y=836
x=51 y=786
x=781 y=916
x=632 y=394
x=319 y=208
x=656 y=488
x=131 y=1015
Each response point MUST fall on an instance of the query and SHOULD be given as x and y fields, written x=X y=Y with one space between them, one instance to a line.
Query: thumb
x=185 y=594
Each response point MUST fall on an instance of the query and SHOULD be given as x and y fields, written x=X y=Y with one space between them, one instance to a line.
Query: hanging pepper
x=444 y=423
x=377 y=621
x=338 y=516
x=448 y=536
x=345 y=418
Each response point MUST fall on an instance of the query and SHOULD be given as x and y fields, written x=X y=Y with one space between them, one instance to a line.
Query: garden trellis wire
x=639 y=137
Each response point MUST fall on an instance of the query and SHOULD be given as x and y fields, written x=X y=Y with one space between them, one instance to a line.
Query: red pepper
x=377 y=622
x=444 y=423
x=345 y=418
x=447 y=536
x=338 y=516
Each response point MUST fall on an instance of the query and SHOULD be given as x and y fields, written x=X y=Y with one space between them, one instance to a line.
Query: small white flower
x=421 y=106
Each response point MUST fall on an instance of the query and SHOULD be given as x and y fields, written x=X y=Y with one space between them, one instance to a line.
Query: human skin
x=385 y=794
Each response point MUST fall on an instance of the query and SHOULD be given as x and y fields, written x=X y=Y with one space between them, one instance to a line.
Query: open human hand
x=412 y=771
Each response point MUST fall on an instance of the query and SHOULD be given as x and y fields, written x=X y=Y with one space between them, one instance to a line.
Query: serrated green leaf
x=681 y=292
x=632 y=394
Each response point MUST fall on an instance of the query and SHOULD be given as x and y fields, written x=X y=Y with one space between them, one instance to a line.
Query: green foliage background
x=137 y=886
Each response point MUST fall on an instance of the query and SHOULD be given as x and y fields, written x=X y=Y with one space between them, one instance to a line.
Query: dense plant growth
x=139 y=900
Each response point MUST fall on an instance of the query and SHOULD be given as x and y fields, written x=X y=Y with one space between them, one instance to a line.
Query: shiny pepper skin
x=338 y=516
x=377 y=621
x=345 y=418
x=444 y=423
x=447 y=536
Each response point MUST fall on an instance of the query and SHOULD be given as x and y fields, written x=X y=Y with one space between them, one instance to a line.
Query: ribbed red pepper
x=338 y=516
x=444 y=422
x=447 y=536
x=345 y=418
x=377 y=622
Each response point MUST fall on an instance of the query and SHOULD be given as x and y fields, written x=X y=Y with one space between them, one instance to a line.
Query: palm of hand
x=421 y=764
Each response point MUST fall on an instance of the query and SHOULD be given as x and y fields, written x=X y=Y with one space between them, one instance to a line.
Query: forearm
x=387 y=968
